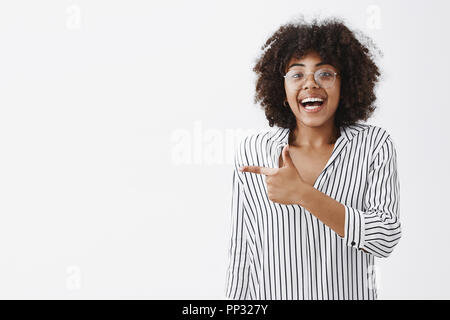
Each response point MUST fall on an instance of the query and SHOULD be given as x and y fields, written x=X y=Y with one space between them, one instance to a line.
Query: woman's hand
x=284 y=185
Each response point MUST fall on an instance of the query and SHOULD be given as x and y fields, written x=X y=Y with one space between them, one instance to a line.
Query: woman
x=317 y=199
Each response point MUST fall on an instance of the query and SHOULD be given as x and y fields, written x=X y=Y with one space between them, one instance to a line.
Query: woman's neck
x=313 y=137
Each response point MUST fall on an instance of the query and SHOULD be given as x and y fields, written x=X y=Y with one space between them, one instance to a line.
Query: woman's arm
x=325 y=208
x=376 y=229
x=237 y=276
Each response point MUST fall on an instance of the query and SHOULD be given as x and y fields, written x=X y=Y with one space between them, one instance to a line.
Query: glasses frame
x=315 y=77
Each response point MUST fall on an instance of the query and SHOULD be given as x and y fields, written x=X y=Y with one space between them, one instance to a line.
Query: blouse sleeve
x=237 y=279
x=376 y=229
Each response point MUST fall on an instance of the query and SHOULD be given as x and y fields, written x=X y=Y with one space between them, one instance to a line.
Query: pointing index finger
x=258 y=170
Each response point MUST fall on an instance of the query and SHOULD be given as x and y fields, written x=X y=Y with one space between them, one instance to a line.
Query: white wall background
x=118 y=121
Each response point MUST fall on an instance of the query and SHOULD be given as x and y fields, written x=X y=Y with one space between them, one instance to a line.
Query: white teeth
x=311 y=108
x=311 y=100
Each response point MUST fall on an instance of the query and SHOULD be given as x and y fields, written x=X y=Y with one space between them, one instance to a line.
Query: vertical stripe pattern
x=279 y=251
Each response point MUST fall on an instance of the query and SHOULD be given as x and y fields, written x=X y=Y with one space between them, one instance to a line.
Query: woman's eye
x=297 y=75
x=325 y=74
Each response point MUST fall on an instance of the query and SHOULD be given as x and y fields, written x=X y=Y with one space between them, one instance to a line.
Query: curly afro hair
x=336 y=44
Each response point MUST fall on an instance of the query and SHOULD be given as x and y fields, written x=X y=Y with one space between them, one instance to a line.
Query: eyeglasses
x=324 y=77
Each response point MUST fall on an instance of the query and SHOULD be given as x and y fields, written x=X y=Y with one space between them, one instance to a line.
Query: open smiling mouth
x=312 y=104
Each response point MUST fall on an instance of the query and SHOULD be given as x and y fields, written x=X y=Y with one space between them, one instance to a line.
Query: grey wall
x=118 y=121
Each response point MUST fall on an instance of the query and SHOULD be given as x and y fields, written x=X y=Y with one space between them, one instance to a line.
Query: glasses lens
x=295 y=76
x=324 y=77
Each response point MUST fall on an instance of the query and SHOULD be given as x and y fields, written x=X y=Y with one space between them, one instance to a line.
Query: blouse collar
x=281 y=135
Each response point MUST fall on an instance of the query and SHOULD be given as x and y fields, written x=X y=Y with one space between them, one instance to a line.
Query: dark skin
x=312 y=141
x=309 y=149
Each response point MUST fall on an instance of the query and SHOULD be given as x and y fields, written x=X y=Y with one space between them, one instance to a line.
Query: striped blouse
x=280 y=251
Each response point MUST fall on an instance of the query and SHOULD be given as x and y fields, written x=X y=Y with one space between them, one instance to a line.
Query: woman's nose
x=310 y=82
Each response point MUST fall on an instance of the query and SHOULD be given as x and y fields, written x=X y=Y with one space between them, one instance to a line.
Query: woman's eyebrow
x=302 y=65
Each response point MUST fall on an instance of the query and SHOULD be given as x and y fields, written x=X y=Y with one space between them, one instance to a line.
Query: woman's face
x=297 y=92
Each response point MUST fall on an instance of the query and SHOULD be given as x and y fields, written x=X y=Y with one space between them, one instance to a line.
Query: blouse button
x=353 y=243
